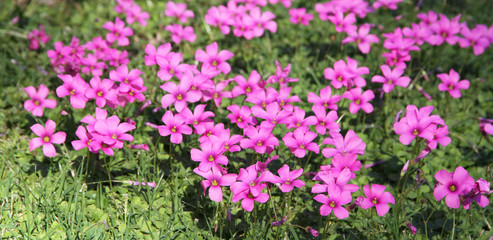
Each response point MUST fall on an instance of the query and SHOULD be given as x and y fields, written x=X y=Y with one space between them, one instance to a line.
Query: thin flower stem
x=453 y=226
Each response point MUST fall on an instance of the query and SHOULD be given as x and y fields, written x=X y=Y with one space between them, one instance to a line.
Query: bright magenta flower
x=362 y=38
x=348 y=161
x=391 y=78
x=249 y=199
x=272 y=114
x=343 y=24
x=476 y=194
x=390 y=4
x=417 y=123
x=171 y=66
x=178 y=10
x=281 y=75
x=241 y=116
x=260 y=139
x=74 y=87
x=198 y=117
x=214 y=180
x=440 y=135
x=446 y=29
x=325 y=121
x=210 y=155
x=258 y=21
x=174 y=126
x=180 y=33
x=330 y=177
x=135 y=14
x=180 y=94
x=299 y=15
x=246 y=87
x=102 y=91
x=118 y=32
x=217 y=93
x=451 y=83
x=477 y=38
x=91 y=65
x=111 y=131
x=262 y=97
x=220 y=17
x=376 y=196
x=298 y=119
x=340 y=75
x=284 y=99
x=326 y=99
x=86 y=140
x=453 y=185
x=288 y=179
x=36 y=36
x=124 y=77
x=46 y=138
x=334 y=202
x=300 y=141
x=351 y=143
x=152 y=53
x=359 y=100
x=285 y=3
x=38 y=100
x=214 y=58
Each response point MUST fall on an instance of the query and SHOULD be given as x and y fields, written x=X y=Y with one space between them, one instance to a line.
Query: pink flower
x=102 y=91
x=74 y=87
x=46 y=138
x=440 y=135
x=326 y=99
x=180 y=33
x=419 y=32
x=135 y=14
x=86 y=140
x=171 y=65
x=325 y=121
x=118 y=32
x=198 y=117
x=348 y=161
x=343 y=24
x=249 y=187
x=241 y=116
x=391 y=78
x=38 y=100
x=299 y=15
x=287 y=178
x=340 y=75
x=451 y=83
x=376 y=196
x=214 y=58
x=351 y=143
x=259 y=21
x=298 y=119
x=272 y=115
x=249 y=199
x=217 y=93
x=152 y=53
x=260 y=139
x=481 y=187
x=126 y=78
x=215 y=180
x=453 y=185
x=446 y=29
x=300 y=141
x=417 y=123
x=334 y=202
x=246 y=87
x=362 y=38
x=179 y=94
x=178 y=10
x=390 y=4
x=285 y=3
x=174 y=126
x=92 y=65
x=263 y=97
x=477 y=38
x=284 y=99
x=359 y=100
x=220 y=17
x=210 y=156
x=281 y=75
x=110 y=131
x=36 y=36
x=262 y=166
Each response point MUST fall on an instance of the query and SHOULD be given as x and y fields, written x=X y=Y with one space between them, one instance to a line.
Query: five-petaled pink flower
x=391 y=78
x=300 y=141
x=288 y=179
x=359 y=100
x=46 y=138
x=376 y=196
x=174 y=126
x=214 y=180
x=74 y=87
x=214 y=58
x=299 y=15
x=451 y=83
x=38 y=100
x=453 y=185
x=362 y=38
x=118 y=32
x=180 y=94
x=178 y=10
x=334 y=202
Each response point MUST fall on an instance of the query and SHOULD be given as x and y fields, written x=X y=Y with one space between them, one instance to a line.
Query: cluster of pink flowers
x=102 y=133
x=458 y=187
x=36 y=37
x=132 y=11
x=178 y=32
x=419 y=123
x=247 y=20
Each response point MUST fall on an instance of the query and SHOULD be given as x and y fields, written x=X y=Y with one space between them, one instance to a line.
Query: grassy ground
x=85 y=196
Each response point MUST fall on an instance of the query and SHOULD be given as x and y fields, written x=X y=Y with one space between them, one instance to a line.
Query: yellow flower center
x=332 y=204
x=36 y=102
x=325 y=104
x=131 y=93
x=389 y=81
x=452 y=188
x=209 y=134
x=415 y=132
x=179 y=97
x=322 y=123
x=451 y=87
x=46 y=139
x=215 y=95
x=195 y=122
x=239 y=119
x=211 y=158
x=259 y=143
x=252 y=184
x=339 y=78
x=100 y=94
x=214 y=183
x=126 y=80
x=89 y=142
x=374 y=201
x=72 y=92
x=173 y=129
x=281 y=80
x=264 y=104
x=172 y=71
x=302 y=146
x=248 y=89
x=114 y=136
x=214 y=63
x=357 y=101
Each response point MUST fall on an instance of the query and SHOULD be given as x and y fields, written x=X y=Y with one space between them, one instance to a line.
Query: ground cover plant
x=246 y=119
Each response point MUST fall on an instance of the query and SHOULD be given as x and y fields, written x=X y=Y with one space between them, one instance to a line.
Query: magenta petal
x=58 y=137
x=216 y=193
x=440 y=192
x=341 y=212
x=49 y=150
x=382 y=209
x=35 y=143
x=452 y=200
x=325 y=210
x=38 y=129
x=247 y=204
